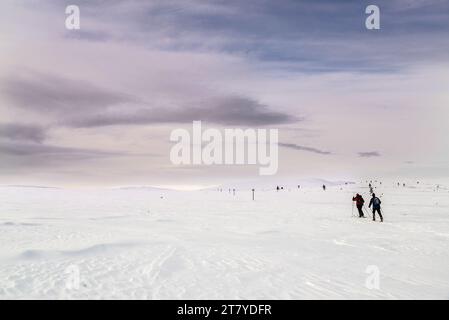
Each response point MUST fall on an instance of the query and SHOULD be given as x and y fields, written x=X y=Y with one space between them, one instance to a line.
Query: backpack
x=376 y=201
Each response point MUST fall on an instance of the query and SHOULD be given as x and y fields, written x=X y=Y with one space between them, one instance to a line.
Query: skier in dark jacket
x=359 y=201
x=375 y=202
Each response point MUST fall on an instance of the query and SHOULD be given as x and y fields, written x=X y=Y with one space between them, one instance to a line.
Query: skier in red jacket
x=359 y=201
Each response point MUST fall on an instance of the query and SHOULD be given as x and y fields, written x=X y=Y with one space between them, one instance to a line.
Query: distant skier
x=375 y=202
x=277 y=188
x=324 y=187
x=359 y=201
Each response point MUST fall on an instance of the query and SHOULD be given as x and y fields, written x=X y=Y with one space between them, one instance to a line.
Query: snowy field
x=156 y=244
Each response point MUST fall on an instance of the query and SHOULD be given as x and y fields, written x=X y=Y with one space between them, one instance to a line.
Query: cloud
x=224 y=110
x=302 y=148
x=82 y=104
x=32 y=149
x=48 y=93
x=369 y=154
x=25 y=132
x=237 y=63
x=29 y=156
x=15 y=158
x=306 y=35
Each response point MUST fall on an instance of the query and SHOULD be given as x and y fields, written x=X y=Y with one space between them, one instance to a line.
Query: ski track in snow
x=299 y=244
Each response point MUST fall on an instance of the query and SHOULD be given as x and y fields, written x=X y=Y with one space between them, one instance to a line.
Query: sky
x=96 y=106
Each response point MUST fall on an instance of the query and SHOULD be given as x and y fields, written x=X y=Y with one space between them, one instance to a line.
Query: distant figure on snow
x=359 y=201
x=324 y=187
x=375 y=202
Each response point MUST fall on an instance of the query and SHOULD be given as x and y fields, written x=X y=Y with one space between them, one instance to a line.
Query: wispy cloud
x=222 y=110
x=369 y=154
x=49 y=93
x=83 y=104
x=26 y=132
x=31 y=149
x=15 y=157
x=32 y=155
x=304 y=148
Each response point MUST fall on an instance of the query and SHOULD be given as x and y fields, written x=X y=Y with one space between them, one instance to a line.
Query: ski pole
x=352 y=214
x=365 y=210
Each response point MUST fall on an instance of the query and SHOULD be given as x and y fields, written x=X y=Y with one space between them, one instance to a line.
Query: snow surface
x=159 y=244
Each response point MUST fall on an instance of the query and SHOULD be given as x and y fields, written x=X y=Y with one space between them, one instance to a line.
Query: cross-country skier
x=375 y=202
x=359 y=201
x=370 y=189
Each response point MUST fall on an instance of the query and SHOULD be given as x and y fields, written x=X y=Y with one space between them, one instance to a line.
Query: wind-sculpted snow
x=160 y=244
x=92 y=250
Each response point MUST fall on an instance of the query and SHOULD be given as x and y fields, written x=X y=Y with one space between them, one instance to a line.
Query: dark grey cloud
x=47 y=93
x=24 y=132
x=369 y=154
x=27 y=149
x=22 y=158
x=82 y=104
x=309 y=35
x=303 y=148
x=224 y=110
x=33 y=149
